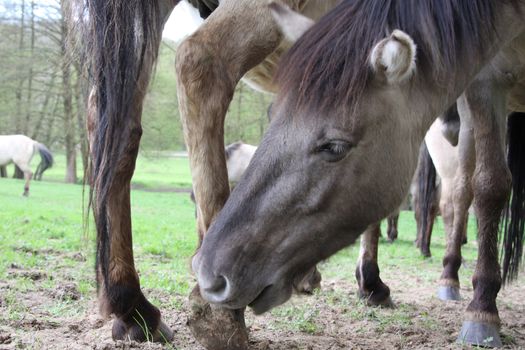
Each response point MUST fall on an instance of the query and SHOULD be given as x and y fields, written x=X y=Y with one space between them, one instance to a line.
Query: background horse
x=19 y=149
x=358 y=93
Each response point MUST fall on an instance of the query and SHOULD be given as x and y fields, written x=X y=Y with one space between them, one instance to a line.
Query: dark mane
x=329 y=64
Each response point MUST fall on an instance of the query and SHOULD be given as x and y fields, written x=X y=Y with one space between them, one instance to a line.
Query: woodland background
x=43 y=90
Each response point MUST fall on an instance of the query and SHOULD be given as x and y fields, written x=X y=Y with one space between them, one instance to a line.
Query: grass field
x=159 y=173
x=44 y=247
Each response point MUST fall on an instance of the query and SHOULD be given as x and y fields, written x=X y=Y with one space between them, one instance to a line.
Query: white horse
x=19 y=149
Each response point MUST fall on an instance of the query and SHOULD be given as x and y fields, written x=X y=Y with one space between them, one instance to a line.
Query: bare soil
x=331 y=319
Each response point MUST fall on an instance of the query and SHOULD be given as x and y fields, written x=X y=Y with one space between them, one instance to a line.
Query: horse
x=438 y=162
x=19 y=149
x=239 y=39
x=357 y=92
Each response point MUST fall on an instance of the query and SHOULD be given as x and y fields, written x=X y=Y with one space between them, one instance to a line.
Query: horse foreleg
x=371 y=288
x=484 y=104
x=209 y=64
x=455 y=205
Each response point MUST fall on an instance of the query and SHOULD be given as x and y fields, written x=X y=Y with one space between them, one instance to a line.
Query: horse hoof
x=479 y=334
x=216 y=328
x=447 y=293
x=387 y=303
x=138 y=332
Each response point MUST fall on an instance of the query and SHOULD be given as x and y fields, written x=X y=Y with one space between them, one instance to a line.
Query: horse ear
x=394 y=57
x=291 y=24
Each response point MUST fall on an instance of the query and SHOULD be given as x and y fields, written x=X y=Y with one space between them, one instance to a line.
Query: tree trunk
x=18 y=90
x=69 y=128
x=3 y=171
x=29 y=97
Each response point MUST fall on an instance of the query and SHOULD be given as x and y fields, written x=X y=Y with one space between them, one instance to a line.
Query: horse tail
x=46 y=160
x=426 y=196
x=514 y=213
x=120 y=36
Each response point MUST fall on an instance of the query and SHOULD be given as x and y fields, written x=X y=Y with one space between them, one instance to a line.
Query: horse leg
x=426 y=200
x=392 y=226
x=484 y=104
x=209 y=64
x=456 y=204
x=118 y=284
x=28 y=175
x=371 y=288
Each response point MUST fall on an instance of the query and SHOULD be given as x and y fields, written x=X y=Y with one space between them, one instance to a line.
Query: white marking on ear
x=291 y=24
x=395 y=57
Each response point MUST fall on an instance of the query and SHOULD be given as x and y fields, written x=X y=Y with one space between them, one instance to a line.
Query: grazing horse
x=238 y=39
x=358 y=91
x=19 y=149
x=438 y=159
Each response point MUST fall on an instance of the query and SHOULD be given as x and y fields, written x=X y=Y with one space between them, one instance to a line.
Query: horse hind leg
x=485 y=106
x=118 y=284
x=371 y=287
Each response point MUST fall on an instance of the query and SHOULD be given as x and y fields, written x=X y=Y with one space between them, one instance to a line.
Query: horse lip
x=261 y=303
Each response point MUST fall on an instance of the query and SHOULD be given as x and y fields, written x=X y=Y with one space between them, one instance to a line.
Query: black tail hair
x=427 y=192
x=46 y=161
x=514 y=213
x=118 y=34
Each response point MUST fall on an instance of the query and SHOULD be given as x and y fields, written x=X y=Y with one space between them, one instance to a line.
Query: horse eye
x=334 y=150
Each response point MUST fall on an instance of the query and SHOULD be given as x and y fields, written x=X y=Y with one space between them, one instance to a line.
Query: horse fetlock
x=141 y=332
x=136 y=318
x=371 y=288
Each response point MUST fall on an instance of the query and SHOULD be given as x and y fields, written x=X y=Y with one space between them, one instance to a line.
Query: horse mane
x=329 y=64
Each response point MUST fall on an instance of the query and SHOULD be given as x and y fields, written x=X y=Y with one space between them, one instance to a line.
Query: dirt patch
x=52 y=313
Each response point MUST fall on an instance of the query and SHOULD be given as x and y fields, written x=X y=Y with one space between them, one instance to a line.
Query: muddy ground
x=331 y=319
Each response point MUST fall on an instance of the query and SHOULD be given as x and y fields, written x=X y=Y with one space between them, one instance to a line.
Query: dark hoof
x=479 y=334
x=310 y=282
x=387 y=302
x=216 y=328
x=139 y=332
x=446 y=293
x=426 y=253
x=392 y=236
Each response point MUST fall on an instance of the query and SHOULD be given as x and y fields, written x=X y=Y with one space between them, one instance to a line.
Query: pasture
x=47 y=288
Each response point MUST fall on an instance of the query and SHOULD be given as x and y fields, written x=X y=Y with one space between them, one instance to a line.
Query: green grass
x=45 y=233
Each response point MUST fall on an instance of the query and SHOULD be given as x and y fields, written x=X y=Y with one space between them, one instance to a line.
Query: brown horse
x=240 y=38
x=357 y=93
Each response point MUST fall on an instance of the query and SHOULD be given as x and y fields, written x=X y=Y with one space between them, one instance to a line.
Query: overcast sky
x=183 y=21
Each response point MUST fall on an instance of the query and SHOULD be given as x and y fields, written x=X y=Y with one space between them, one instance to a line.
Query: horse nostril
x=215 y=289
x=217 y=286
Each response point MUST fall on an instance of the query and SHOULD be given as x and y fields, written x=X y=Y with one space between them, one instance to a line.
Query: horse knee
x=201 y=74
x=491 y=189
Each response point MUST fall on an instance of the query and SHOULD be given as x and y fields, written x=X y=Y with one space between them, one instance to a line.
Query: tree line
x=44 y=90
